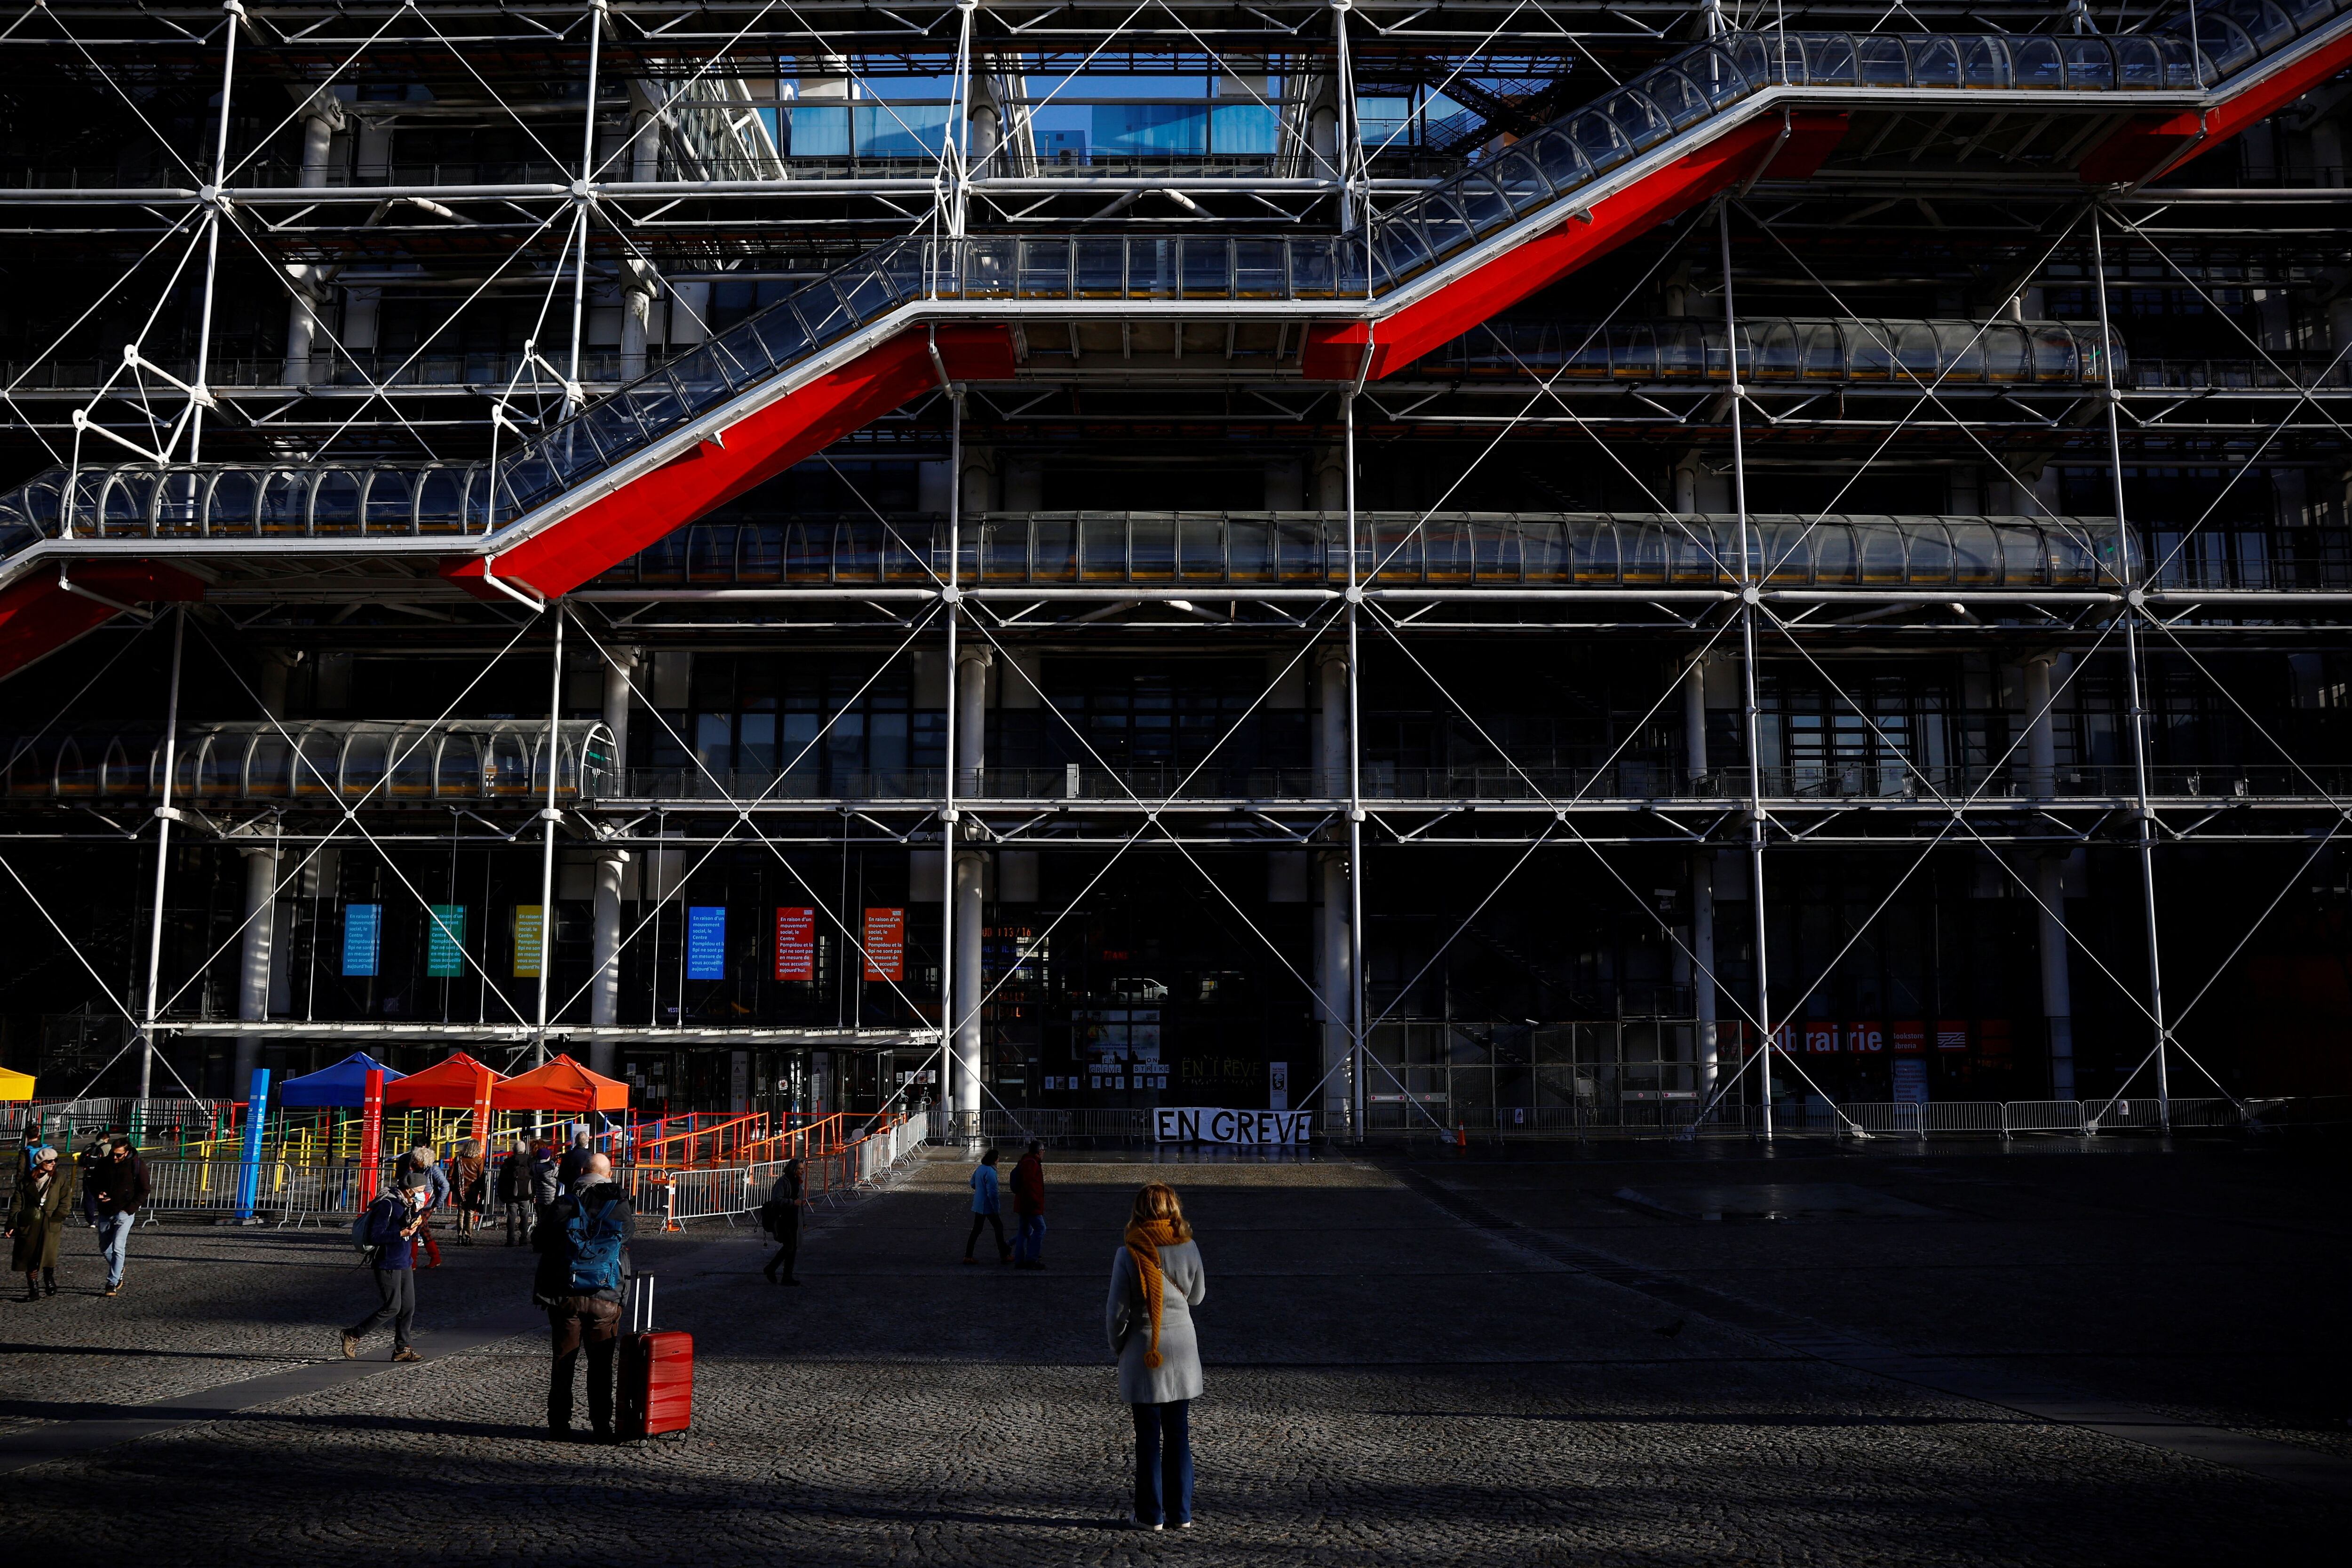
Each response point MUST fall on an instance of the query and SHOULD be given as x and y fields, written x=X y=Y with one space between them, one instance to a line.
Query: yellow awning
x=16 y=1085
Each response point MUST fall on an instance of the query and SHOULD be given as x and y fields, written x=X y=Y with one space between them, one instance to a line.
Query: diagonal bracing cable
x=2056 y=916
x=743 y=816
x=391 y=765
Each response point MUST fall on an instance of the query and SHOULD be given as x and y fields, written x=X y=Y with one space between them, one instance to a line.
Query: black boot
x=32 y=1292
x=48 y=1282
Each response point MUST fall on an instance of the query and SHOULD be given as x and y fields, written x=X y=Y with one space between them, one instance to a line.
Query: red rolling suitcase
x=656 y=1393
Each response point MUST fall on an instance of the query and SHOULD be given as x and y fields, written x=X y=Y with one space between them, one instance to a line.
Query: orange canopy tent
x=452 y=1085
x=561 y=1085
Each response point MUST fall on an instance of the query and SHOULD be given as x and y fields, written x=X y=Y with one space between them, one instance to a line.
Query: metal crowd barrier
x=729 y=1192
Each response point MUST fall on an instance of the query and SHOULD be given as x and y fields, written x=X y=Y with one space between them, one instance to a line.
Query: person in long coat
x=1156 y=1280
x=37 y=1222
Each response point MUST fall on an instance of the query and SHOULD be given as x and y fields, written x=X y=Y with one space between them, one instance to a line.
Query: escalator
x=556 y=510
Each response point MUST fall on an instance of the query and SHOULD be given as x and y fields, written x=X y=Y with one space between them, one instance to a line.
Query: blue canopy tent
x=343 y=1084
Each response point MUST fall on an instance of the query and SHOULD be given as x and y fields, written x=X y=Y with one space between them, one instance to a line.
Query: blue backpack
x=593 y=1246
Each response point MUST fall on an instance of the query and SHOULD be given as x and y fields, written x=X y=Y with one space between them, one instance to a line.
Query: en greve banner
x=1174 y=1125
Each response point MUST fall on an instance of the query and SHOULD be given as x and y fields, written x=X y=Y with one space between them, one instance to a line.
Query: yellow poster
x=529 y=924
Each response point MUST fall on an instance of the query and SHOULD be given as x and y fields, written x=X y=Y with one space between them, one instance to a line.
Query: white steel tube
x=1751 y=573
x=952 y=1091
x=548 y=817
x=235 y=10
x=162 y=860
x=1358 y=1066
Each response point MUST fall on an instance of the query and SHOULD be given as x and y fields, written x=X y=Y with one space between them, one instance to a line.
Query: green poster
x=444 y=941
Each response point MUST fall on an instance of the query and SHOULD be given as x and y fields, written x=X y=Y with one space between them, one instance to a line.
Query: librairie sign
x=1182 y=1126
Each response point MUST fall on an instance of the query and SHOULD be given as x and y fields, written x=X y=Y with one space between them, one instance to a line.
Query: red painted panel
x=2140 y=148
x=1337 y=353
x=37 y=618
x=561 y=557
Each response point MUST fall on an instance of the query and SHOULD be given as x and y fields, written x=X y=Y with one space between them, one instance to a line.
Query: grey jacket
x=1178 y=1376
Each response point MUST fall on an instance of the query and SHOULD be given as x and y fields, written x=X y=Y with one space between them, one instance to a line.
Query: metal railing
x=1803 y=351
x=1305 y=549
x=287 y=1192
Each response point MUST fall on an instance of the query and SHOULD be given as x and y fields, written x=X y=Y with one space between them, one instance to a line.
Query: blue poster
x=706 y=942
x=363 y=937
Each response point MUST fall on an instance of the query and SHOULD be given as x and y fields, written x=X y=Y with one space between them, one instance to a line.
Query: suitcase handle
x=641 y=1304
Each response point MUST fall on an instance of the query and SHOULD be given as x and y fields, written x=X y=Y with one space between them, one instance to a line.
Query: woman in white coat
x=1156 y=1280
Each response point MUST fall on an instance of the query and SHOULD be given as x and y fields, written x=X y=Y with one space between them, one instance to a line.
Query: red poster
x=1819 y=1038
x=885 y=944
x=796 y=944
x=1784 y=1039
x=1951 y=1035
x=1908 y=1036
x=1865 y=1039
x=1992 y=1039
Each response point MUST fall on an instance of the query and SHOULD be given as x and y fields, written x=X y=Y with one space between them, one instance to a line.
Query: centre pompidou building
x=1460 y=565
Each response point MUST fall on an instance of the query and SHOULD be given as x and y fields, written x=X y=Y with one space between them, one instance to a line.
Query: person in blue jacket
x=986 y=1209
x=390 y=1227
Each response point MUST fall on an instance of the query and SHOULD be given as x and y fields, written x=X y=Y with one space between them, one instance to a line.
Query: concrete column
x=270 y=682
x=2057 y=986
x=972 y=718
x=253 y=968
x=322 y=116
x=617 y=671
x=637 y=289
x=987 y=131
x=604 y=995
x=2041 y=734
x=1334 y=982
x=1331 y=482
x=1702 y=943
x=1695 y=723
x=970 y=869
x=2050 y=878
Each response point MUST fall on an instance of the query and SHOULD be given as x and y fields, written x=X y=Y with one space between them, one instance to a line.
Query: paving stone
x=1387 y=1384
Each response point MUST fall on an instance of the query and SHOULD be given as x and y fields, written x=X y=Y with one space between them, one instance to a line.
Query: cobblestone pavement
x=1389 y=1383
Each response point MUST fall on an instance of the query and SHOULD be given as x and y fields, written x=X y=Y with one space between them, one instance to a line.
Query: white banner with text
x=1195 y=1126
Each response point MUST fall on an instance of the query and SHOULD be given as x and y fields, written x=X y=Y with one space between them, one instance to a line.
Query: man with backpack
x=583 y=1241
x=387 y=1234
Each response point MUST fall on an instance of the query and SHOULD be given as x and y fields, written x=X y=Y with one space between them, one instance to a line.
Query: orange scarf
x=1143 y=1243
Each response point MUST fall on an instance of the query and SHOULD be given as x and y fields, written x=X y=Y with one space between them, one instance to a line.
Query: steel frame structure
x=667 y=194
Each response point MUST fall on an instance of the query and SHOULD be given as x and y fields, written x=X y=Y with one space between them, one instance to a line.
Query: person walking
x=1156 y=1280
x=546 y=1180
x=422 y=1170
x=36 y=1221
x=987 y=1209
x=469 y=1189
x=119 y=1189
x=783 y=1212
x=389 y=1228
x=573 y=1169
x=1029 y=1207
x=583 y=1264
x=515 y=1193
